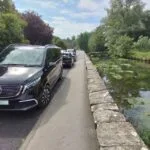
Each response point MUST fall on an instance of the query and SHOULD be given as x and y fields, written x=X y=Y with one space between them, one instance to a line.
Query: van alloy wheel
x=45 y=97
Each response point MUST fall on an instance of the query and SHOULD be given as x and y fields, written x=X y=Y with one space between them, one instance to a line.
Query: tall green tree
x=71 y=42
x=11 y=24
x=97 y=40
x=83 y=40
x=11 y=29
x=59 y=42
x=146 y=21
x=124 y=17
x=6 y=6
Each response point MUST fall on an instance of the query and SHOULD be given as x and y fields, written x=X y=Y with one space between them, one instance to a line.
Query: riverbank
x=128 y=83
x=145 y=55
x=113 y=130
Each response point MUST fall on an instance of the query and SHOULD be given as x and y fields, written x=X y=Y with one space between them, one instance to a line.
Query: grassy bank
x=141 y=54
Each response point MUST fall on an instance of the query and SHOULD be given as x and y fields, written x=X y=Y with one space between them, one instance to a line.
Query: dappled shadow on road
x=15 y=126
x=58 y=101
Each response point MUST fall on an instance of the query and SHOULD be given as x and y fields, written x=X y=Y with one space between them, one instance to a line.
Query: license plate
x=4 y=102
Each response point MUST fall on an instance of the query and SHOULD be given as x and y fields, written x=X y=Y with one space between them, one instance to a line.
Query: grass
x=141 y=54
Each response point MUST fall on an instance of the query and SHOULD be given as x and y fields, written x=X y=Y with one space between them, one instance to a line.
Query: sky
x=68 y=17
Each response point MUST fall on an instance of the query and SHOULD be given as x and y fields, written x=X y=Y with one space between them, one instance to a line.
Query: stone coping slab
x=96 y=87
x=118 y=134
x=105 y=106
x=100 y=97
x=108 y=116
x=129 y=147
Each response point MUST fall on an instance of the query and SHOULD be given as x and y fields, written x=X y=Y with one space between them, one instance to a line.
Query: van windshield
x=26 y=56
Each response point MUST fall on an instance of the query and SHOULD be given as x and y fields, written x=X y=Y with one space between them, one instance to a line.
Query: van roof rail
x=52 y=46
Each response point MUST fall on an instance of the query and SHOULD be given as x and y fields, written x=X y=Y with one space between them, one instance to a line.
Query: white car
x=73 y=53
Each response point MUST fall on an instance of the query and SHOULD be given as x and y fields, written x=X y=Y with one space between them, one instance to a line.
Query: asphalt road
x=66 y=124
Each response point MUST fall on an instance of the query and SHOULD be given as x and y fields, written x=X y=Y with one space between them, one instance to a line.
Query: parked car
x=62 y=51
x=73 y=53
x=68 y=60
x=27 y=75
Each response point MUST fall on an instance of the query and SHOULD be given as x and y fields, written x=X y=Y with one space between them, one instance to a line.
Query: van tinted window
x=49 y=56
x=57 y=54
x=53 y=54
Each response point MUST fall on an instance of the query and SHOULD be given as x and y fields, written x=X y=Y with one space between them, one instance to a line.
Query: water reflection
x=145 y=94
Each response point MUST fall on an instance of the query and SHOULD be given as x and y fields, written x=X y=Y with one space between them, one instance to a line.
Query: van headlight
x=31 y=84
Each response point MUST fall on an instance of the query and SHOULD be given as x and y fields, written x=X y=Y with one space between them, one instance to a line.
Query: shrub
x=145 y=134
x=122 y=46
x=143 y=43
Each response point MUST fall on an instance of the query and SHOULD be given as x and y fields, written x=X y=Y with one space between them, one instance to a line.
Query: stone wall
x=113 y=131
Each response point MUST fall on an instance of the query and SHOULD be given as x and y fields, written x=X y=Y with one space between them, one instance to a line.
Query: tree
x=97 y=40
x=68 y=42
x=6 y=6
x=146 y=22
x=11 y=29
x=124 y=17
x=71 y=42
x=37 y=31
x=57 y=41
x=11 y=24
x=83 y=40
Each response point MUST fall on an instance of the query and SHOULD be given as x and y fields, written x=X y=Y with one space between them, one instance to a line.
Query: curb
x=113 y=131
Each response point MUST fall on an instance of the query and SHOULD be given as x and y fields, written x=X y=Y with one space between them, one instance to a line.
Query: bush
x=145 y=134
x=143 y=43
x=122 y=46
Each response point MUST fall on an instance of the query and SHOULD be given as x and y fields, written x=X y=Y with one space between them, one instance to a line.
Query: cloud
x=86 y=15
x=100 y=12
x=21 y=10
x=66 y=28
x=65 y=1
x=92 y=8
x=65 y=11
x=42 y=4
x=93 y=5
x=147 y=4
x=88 y=5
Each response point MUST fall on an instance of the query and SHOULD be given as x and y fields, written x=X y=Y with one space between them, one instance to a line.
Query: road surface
x=66 y=124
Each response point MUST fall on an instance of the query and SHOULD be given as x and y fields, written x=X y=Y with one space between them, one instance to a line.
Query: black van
x=27 y=75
